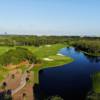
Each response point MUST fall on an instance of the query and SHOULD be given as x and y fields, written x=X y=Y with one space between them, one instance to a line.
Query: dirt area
x=12 y=66
x=13 y=83
x=28 y=90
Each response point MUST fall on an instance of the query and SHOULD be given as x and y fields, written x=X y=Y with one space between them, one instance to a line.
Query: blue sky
x=50 y=17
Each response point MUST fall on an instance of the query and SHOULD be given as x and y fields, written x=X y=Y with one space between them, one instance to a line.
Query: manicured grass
x=45 y=51
x=57 y=61
x=96 y=82
x=4 y=49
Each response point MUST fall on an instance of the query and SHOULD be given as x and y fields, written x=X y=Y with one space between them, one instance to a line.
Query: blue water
x=71 y=81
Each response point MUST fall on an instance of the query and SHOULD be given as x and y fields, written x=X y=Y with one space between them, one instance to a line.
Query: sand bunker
x=48 y=59
x=59 y=54
x=48 y=45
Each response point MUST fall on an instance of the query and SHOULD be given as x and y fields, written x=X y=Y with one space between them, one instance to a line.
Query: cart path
x=23 y=81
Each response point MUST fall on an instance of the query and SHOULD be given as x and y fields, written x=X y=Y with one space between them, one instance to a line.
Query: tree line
x=88 y=44
x=29 y=40
x=15 y=40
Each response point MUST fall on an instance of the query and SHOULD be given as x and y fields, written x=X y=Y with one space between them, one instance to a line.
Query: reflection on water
x=93 y=59
x=71 y=81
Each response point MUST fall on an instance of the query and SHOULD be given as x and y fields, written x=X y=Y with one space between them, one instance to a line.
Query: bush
x=55 y=98
x=15 y=56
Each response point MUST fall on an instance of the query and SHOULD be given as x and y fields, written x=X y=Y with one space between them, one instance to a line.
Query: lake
x=71 y=81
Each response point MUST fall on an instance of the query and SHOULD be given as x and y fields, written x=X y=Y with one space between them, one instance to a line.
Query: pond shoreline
x=58 y=60
x=90 y=54
x=71 y=76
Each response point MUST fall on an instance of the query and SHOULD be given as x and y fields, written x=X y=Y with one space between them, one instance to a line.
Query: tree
x=4 y=85
x=27 y=79
x=24 y=96
x=13 y=76
x=55 y=98
x=16 y=56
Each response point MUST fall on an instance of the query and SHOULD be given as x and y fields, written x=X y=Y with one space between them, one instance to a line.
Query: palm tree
x=4 y=85
x=13 y=76
x=24 y=96
x=27 y=79
x=28 y=73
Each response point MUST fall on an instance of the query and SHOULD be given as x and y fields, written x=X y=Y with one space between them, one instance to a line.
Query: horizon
x=49 y=35
x=49 y=17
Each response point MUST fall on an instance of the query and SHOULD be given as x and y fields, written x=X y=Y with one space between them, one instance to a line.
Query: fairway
x=51 y=53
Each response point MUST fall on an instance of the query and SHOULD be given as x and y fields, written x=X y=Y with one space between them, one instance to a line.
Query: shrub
x=15 y=56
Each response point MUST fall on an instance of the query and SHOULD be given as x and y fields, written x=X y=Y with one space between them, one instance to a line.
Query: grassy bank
x=96 y=82
x=51 y=53
x=91 y=54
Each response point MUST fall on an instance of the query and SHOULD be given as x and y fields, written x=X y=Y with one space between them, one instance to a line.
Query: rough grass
x=23 y=68
x=3 y=73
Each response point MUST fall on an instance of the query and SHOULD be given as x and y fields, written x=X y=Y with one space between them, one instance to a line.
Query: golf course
x=47 y=56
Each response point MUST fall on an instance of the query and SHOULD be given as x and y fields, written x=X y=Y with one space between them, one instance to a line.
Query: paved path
x=22 y=82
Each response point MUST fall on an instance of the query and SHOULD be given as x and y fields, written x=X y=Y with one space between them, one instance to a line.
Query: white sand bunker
x=48 y=45
x=48 y=59
x=59 y=54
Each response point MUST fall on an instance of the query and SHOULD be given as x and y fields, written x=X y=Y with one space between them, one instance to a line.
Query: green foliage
x=17 y=55
x=4 y=49
x=90 y=46
x=96 y=82
x=54 y=98
x=3 y=73
x=95 y=93
x=15 y=40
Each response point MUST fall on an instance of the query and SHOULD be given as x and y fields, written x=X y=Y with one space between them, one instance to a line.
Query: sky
x=50 y=17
